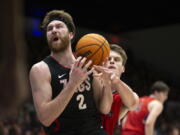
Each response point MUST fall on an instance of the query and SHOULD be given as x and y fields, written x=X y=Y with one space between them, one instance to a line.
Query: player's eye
x=49 y=28
x=58 y=26
x=117 y=59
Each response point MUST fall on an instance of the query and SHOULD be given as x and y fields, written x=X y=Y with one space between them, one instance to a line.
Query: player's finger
x=99 y=68
x=81 y=63
x=76 y=63
x=86 y=67
x=90 y=71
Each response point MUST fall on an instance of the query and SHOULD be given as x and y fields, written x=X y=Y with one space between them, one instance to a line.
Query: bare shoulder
x=39 y=69
x=155 y=105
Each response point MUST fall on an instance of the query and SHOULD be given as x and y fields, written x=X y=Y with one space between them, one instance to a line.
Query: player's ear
x=123 y=69
x=71 y=34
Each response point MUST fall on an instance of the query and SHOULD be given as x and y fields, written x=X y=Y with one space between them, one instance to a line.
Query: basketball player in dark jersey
x=67 y=98
x=124 y=98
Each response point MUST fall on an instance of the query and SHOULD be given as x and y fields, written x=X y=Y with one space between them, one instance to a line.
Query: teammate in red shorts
x=123 y=96
x=141 y=121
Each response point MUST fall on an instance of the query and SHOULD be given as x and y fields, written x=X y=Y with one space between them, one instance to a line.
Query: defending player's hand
x=104 y=73
x=79 y=70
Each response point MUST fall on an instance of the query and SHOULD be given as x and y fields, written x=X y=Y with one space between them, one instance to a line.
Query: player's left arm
x=102 y=92
x=123 y=112
x=129 y=98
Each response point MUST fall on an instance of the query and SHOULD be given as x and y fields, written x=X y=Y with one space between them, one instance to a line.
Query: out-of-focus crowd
x=24 y=122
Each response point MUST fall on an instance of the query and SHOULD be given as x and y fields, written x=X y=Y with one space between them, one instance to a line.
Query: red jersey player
x=141 y=121
x=123 y=96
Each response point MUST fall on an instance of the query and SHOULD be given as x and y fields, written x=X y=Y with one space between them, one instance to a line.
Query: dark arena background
x=148 y=31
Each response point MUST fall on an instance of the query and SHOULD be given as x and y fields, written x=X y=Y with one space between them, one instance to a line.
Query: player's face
x=115 y=63
x=58 y=36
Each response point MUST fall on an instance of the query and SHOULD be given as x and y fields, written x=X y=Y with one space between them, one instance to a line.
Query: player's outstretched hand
x=80 y=70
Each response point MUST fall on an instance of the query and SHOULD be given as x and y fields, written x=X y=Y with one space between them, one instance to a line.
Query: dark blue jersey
x=80 y=115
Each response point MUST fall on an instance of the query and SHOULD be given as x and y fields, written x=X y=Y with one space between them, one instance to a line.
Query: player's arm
x=123 y=112
x=102 y=92
x=129 y=98
x=47 y=109
x=155 y=108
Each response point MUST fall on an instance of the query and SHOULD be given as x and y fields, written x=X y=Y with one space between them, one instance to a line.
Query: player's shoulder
x=40 y=67
x=156 y=104
x=155 y=101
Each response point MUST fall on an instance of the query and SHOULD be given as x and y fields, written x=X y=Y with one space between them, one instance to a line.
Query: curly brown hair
x=59 y=15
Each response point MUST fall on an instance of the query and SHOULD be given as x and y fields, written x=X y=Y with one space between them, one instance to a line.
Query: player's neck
x=113 y=91
x=153 y=96
x=65 y=58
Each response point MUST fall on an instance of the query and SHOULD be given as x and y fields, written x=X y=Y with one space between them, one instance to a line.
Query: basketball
x=94 y=47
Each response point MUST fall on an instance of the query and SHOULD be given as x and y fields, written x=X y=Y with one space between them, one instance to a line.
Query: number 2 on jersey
x=79 y=97
x=81 y=105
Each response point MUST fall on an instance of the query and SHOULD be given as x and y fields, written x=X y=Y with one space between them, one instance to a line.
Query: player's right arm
x=155 y=108
x=49 y=109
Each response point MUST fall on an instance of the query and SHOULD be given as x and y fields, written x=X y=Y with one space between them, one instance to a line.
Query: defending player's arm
x=49 y=109
x=129 y=98
x=155 y=108
x=102 y=90
x=123 y=112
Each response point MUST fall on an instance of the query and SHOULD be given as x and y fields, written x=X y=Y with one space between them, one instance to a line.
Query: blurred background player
x=124 y=98
x=142 y=120
x=66 y=96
